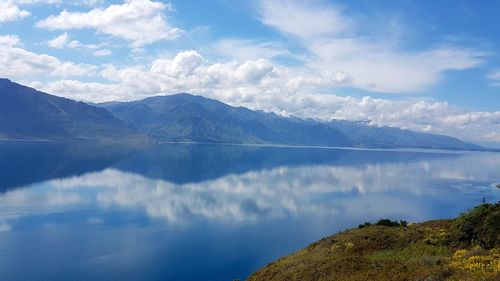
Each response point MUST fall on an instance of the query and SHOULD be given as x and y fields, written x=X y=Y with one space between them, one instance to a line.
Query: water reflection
x=239 y=198
x=277 y=192
x=250 y=183
x=25 y=163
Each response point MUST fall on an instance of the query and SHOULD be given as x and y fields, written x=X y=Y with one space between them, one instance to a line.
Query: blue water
x=83 y=211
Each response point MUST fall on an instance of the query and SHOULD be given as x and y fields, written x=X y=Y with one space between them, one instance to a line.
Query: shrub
x=387 y=222
x=481 y=226
x=364 y=225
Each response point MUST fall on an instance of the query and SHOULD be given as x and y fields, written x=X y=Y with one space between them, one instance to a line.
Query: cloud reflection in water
x=266 y=193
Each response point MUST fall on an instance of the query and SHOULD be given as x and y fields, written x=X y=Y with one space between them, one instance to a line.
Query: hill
x=466 y=248
x=26 y=113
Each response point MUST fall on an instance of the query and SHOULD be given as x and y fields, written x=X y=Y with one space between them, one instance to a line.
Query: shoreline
x=271 y=145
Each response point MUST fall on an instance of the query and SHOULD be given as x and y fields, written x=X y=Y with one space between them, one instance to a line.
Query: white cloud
x=339 y=43
x=237 y=82
x=90 y=91
x=102 y=53
x=37 y=1
x=64 y=41
x=59 y=42
x=9 y=11
x=494 y=77
x=9 y=40
x=184 y=63
x=377 y=69
x=493 y=137
x=67 y=2
x=243 y=49
x=16 y=62
x=76 y=44
x=139 y=21
x=304 y=19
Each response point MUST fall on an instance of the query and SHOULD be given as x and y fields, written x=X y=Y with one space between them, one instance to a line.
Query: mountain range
x=26 y=113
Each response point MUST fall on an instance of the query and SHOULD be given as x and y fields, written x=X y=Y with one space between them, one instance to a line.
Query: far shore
x=149 y=142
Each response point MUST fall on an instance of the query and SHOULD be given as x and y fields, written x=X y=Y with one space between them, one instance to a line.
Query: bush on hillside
x=365 y=225
x=385 y=222
x=480 y=226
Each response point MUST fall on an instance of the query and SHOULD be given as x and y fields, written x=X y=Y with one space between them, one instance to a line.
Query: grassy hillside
x=466 y=248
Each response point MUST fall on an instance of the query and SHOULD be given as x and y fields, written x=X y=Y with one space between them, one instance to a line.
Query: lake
x=87 y=211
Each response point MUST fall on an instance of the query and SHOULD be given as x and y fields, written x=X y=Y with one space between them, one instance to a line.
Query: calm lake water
x=73 y=211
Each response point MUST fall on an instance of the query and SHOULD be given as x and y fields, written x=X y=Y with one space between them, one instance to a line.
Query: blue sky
x=429 y=66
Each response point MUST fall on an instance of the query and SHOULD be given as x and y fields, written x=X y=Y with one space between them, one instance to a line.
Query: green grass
x=462 y=249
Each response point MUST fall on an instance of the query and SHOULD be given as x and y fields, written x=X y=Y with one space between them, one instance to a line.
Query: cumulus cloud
x=139 y=21
x=64 y=41
x=183 y=64
x=9 y=11
x=16 y=62
x=9 y=40
x=59 y=42
x=257 y=83
x=339 y=43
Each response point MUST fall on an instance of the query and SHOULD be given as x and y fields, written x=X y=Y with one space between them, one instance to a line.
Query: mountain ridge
x=186 y=117
x=26 y=113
